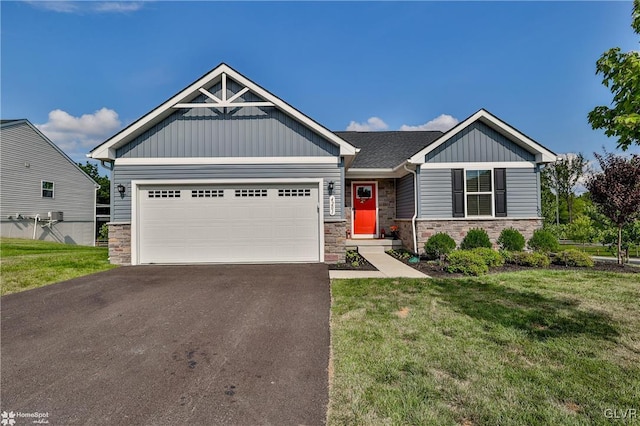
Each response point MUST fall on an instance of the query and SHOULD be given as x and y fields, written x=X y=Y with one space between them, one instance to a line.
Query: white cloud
x=372 y=124
x=443 y=123
x=80 y=7
x=75 y=135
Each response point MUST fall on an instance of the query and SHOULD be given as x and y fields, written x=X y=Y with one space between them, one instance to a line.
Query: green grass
x=537 y=348
x=599 y=250
x=26 y=264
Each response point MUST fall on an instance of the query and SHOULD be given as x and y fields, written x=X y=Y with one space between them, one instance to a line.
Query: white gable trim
x=542 y=154
x=107 y=150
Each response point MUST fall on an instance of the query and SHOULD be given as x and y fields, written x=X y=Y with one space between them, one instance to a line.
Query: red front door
x=364 y=214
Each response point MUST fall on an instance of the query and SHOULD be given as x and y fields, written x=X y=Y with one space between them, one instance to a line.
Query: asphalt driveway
x=224 y=344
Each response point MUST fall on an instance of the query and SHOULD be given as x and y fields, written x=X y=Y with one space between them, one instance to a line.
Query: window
x=294 y=192
x=164 y=193
x=47 y=189
x=207 y=193
x=479 y=193
x=251 y=192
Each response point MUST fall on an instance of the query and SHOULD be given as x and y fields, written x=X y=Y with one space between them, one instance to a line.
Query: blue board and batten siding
x=478 y=143
x=228 y=132
x=405 y=205
x=28 y=159
x=124 y=174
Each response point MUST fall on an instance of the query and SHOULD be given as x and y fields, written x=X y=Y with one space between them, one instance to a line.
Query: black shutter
x=457 y=187
x=500 y=192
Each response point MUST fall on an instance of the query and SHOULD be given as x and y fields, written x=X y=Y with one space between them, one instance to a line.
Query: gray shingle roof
x=386 y=150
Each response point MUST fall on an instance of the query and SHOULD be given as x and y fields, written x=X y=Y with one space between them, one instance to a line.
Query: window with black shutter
x=457 y=185
x=500 y=181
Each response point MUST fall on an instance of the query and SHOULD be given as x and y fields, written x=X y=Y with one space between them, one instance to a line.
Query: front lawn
x=531 y=347
x=26 y=264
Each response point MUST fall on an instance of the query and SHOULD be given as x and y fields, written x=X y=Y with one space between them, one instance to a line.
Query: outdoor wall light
x=330 y=187
x=121 y=188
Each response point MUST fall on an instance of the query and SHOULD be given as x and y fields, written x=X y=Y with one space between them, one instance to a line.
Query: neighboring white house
x=44 y=195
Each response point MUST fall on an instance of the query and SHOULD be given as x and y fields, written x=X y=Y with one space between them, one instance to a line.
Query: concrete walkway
x=388 y=267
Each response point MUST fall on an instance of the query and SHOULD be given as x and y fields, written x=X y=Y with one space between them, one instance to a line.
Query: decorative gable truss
x=224 y=101
x=222 y=87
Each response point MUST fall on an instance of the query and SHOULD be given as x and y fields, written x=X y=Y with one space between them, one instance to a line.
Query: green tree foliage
x=562 y=178
x=616 y=191
x=620 y=73
x=582 y=230
x=103 y=194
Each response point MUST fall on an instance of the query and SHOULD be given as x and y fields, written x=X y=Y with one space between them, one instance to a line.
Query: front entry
x=364 y=214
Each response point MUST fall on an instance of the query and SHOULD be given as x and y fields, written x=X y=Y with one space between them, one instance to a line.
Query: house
x=225 y=171
x=44 y=195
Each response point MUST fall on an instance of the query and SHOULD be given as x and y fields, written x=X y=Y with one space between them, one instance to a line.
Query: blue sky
x=81 y=71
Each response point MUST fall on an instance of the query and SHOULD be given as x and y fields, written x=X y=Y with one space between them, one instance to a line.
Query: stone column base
x=119 y=243
x=335 y=234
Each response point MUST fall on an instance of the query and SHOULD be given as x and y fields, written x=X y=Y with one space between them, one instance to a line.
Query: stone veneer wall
x=405 y=234
x=119 y=243
x=335 y=234
x=457 y=229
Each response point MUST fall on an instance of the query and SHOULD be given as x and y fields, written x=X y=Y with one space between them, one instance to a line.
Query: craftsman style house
x=225 y=171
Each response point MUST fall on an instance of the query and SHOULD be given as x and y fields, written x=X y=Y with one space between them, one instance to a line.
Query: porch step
x=384 y=244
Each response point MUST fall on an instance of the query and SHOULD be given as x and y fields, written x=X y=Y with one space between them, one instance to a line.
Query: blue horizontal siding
x=435 y=193
x=523 y=195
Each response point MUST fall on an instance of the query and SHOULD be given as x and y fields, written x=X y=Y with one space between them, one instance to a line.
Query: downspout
x=415 y=208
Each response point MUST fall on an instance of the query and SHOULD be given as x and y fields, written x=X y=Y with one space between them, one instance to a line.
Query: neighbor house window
x=479 y=193
x=47 y=189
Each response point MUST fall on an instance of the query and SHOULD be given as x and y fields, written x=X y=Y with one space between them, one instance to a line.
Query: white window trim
x=135 y=199
x=53 y=187
x=492 y=193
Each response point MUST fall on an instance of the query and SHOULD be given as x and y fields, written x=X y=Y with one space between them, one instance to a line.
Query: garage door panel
x=229 y=223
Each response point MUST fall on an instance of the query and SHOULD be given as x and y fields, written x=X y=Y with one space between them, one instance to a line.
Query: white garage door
x=228 y=223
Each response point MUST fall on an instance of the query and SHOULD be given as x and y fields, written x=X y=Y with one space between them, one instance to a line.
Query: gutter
x=415 y=208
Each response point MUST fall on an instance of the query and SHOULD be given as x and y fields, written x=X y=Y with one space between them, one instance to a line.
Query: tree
x=563 y=177
x=616 y=190
x=103 y=194
x=620 y=73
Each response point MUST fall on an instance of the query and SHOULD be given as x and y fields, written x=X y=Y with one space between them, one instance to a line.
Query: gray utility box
x=56 y=216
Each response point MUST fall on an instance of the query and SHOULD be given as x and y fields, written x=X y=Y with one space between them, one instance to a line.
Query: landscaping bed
x=435 y=268
x=354 y=262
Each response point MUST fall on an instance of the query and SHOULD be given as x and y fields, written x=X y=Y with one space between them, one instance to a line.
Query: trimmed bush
x=511 y=239
x=543 y=241
x=476 y=237
x=439 y=245
x=466 y=262
x=491 y=258
x=535 y=259
x=573 y=257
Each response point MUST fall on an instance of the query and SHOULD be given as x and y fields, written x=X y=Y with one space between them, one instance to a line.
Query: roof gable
x=540 y=153
x=197 y=95
x=5 y=124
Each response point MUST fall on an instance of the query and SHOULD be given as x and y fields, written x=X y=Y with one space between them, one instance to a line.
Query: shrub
x=573 y=258
x=511 y=239
x=491 y=258
x=466 y=262
x=536 y=260
x=439 y=245
x=476 y=237
x=543 y=241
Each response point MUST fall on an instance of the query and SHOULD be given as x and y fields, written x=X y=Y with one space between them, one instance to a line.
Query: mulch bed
x=433 y=269
x=361 y=262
